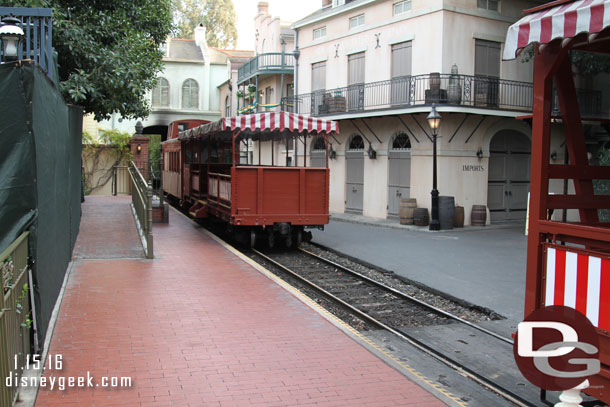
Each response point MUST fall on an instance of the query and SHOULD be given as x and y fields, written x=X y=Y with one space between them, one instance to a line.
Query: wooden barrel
x=446 y=212
x=478 y=216
x=421 y=217
x=458 y=221
x=407 y=206
x=435 y=80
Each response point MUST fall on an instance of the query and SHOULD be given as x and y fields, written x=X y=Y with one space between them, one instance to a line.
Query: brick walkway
x=199 y=327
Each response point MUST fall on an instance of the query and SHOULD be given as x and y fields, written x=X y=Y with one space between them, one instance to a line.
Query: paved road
x=485 y=267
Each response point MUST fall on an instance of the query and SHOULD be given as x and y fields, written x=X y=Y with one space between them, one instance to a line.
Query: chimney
x=263 y=7
x=200 y=35
x=326 y=3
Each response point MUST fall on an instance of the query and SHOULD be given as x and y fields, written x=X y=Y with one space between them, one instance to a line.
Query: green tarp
x=40 y=177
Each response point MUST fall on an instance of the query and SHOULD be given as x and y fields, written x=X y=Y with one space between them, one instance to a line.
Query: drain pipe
x=295 y=102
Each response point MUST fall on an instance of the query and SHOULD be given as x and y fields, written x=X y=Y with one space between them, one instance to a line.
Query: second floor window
x=227 y=107
x=491 y=5
x=160 y=94
x=401 y=7
x=190 y=94
x=318 y=76
x=319 y=33
x=487 y=58
x=356 y=21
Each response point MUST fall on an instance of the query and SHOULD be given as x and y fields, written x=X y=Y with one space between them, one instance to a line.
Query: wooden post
x=545 y=64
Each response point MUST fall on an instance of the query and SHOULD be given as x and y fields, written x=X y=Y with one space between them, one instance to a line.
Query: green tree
x=108 y=51
x=217 y=16
x=584 y=63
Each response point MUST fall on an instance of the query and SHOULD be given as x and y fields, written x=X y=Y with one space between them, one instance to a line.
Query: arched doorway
x=399 y=179
x=354 y=174
x=318 y=152
x=509 y=175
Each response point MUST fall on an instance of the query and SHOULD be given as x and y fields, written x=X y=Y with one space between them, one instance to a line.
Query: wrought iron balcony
x=276 y=62
x=411 y=91
x=37 y=25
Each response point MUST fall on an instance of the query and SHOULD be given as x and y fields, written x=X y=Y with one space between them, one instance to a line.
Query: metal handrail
x=141 y=202
x=268 y=61
x=451 y=89
x=411 y=90
x=14 y=314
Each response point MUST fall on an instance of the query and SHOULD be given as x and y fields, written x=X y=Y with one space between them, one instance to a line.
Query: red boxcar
x=173 y=156
x=568 y=263
x=264 y=201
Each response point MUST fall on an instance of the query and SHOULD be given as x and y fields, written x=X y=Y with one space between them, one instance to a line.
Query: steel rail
x=408 y=297
x=450 y=362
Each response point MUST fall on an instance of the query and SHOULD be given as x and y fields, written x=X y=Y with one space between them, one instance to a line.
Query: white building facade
x=377 y=66
x=187 y=88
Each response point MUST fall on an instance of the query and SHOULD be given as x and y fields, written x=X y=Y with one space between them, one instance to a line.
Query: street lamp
x=434 y=119
x=11 y=35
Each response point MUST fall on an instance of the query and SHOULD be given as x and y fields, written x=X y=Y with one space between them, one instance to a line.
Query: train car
x=272 y=200
x=568 y=263
x=173 y=156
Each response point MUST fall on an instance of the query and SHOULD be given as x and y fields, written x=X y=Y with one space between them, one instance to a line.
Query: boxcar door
x=354 y=177
x=399 y=179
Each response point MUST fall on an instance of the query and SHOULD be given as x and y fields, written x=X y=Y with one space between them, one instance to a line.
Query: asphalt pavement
x=484 y=266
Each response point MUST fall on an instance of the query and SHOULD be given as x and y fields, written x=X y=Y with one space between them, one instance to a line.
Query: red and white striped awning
x=566 y=20
x=266 y=122
x=580 y=281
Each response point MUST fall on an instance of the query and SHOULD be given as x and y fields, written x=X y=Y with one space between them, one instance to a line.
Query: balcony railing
x=37 y=25
x=276 y=61
x=449 y=89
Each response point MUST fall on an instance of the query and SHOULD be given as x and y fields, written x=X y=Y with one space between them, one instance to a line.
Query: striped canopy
x=265 y=123
x=566 y=19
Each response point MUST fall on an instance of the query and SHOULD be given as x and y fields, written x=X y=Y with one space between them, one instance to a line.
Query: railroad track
x=408 y=318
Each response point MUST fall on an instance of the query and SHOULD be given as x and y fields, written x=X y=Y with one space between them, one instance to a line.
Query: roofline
x=545 y=6
x=337 y=10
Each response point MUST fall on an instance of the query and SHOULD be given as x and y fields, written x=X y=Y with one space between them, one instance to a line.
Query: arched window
x=401 y=142
x=190 y=94
x=356 y=143
x=227 y=107
x=160 y=94
x=263 y=47
x=318 y=144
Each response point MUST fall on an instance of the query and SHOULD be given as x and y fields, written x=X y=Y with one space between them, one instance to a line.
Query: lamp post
x=434 y=120
x=11 y=35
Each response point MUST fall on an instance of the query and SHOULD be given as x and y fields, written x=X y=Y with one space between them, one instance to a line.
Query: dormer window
x=341 y=2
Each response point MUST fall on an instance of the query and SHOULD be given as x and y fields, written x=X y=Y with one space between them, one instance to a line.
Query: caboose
x=568 y=263
x=266 y=198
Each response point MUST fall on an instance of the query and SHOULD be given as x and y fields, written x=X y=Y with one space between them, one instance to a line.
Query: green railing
x=141 y=203
x=15 y=316
x=261 y=63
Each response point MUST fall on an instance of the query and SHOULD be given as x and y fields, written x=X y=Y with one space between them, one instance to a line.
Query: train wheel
x=298 y=239
x=270 y=238
x=288 y=240
x=252 y=240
